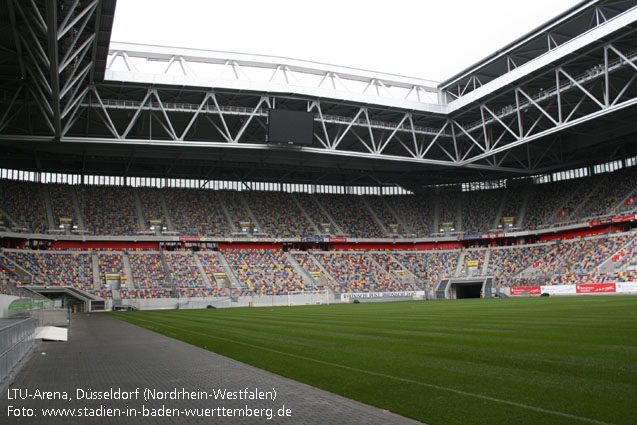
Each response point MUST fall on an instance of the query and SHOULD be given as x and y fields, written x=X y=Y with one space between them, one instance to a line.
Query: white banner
x=559 y=290
x=356 y=295
x=627 y=288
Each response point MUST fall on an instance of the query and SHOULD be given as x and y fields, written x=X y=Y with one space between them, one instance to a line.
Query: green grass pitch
x=500 y=361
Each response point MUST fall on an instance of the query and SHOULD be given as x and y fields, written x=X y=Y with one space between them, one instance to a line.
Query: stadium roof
x=560 y=97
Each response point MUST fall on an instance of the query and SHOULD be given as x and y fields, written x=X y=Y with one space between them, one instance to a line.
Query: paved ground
x=105 y=355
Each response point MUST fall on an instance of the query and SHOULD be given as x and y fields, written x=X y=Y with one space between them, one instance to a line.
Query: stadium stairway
x=337 y=230
x=167 y=275
x=305 y=214
x=460 y=265
x=407 y=230
x=523 y=208
x=378 y=221
x=441 y=289
x=608 y=265
x=459 y=224
x=485 y=266
x=9 y=222
x=139 y=210
x=226 y=213
x=498 y=214
x=234 y=282
x=436 y=218
x=164 y=208
x=324 y=272
x=622 y=206
x=46 y=197
x=400 y=278
x=23 y=274
x=489 y=288
x=97 y=281
x=78 y=212
x=307 y=279
x=202 y=272
x=128 y=271
x=412 y=278
x=255 y=223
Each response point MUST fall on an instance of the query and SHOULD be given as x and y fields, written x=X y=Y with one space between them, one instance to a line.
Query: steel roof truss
x=6 y=117
x=393 y=133
x=349 y=126
x=578 y=85
x=106 y=118
x=250 y=117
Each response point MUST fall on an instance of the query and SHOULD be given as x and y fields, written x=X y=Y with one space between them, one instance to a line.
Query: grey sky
x=426 y=39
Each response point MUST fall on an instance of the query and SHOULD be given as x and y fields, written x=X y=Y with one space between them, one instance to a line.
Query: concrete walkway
x=109 y=360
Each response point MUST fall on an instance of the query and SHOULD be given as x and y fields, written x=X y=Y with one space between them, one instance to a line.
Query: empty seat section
x=263 y=272
x=108 y=210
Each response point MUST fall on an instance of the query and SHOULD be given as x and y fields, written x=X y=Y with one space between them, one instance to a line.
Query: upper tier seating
x=310 y=206
x=351 y=213
x=113 y=210
x=23 y=202
x=417 y=212
x=544 y=203
x=151 y=204
x=108 y=210
x=197 y=212
x=278 y=214
x=479 y=210
x=62 y=204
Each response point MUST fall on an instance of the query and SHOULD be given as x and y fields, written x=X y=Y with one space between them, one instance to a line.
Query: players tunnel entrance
x=466 y=289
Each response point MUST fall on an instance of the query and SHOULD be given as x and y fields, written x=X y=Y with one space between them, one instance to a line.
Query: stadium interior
x=125 y=184
x=144 y=177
